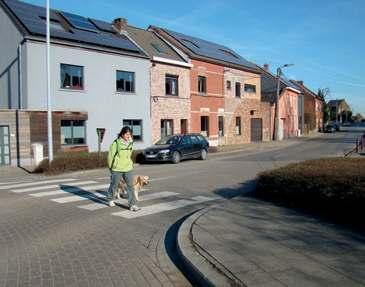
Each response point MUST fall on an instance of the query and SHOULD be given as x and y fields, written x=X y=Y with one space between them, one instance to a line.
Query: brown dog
x=138 y=182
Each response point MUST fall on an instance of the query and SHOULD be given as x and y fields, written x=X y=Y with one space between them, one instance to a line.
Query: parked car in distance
x=336 y=126
x=329 y=128
x=175 y=148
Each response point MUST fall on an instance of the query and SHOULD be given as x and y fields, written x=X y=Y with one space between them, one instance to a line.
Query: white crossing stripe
x=68 y=189
x=50 y=186
x=161 y=207
x=93 y=193
x=60 y=180
x=152 y=196
x=13 y=182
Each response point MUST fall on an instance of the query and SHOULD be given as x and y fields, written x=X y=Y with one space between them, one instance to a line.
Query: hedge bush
x=75 y=161
x=334 y=185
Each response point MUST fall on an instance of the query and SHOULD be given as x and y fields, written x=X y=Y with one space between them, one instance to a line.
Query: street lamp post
x=49 y=108
x=277 y=109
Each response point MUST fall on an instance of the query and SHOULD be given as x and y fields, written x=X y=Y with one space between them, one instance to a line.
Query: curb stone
x=205 y=269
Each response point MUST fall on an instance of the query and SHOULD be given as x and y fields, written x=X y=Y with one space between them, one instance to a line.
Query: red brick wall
x=209 y=103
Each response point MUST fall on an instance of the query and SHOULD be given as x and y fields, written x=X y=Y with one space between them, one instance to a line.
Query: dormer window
x=54 y=24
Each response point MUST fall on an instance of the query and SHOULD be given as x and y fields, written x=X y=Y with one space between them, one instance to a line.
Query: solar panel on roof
x=79 y=22
x=211 y=50
x=103 y=26
x=31 y=17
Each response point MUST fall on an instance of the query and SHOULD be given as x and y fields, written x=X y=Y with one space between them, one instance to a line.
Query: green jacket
x=120 y=156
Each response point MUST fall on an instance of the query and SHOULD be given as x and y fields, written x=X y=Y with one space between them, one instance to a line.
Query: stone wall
x=169 y=107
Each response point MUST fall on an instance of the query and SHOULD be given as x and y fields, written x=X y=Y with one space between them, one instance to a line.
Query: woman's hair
x=125 y=130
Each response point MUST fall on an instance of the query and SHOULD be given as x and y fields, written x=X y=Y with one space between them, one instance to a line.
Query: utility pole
x=49 y=108
x=277 y=108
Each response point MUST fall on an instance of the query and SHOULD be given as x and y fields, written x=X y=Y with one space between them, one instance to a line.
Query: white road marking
x=13 y=182
x=152 y=196
x=81 y=197
x=51 y=186
x=69 y=189
x=60 y=180
x=161 y=207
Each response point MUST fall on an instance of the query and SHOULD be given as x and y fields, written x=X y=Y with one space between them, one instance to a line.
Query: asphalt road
x=56 y=231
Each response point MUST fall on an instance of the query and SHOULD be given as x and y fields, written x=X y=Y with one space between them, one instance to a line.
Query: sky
x=324 y=39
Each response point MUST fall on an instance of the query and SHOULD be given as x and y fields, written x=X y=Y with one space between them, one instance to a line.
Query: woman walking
x=121 y=166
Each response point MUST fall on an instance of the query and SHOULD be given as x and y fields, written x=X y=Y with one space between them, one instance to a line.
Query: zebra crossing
x=79 y=191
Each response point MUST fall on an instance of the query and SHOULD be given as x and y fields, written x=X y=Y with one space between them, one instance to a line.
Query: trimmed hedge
x=75 y=161
x=332 y=186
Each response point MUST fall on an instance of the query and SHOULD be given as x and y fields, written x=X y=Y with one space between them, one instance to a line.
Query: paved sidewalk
x=247 y=242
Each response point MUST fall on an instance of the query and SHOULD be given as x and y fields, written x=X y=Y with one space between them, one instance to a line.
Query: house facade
x=99 y=79
x=216 y=111
x=339 y=110
x=290 y=106
x=170 y=102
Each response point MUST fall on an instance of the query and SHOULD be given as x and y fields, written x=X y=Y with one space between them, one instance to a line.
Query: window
x=166 y=128
x=195 y=140
x=186 y=140
x=171 y=85
x=220 y=126
x=228 y=84
x=201 y=138
x=250 y=88
x=202 y=84
x=54 y=24
x=136 y=127
x=159 y=48
x=73 y=132
x=72 y=77
x=204 y=126
x=238 y=126
x=125 y=81
x=238 y=90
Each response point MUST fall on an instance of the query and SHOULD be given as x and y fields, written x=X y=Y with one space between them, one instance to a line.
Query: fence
x=359 y=146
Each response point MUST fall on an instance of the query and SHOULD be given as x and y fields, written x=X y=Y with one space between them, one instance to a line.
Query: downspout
x=20 y=77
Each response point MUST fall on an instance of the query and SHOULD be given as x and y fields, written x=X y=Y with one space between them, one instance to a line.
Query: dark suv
x=174 y=148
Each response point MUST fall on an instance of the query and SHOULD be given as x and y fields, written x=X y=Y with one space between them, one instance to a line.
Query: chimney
x=266 y=67
x=120 y=25
x=300 y=83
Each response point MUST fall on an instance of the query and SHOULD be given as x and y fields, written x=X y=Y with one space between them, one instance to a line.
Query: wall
x=243 y=107
x=169 y=107
x=9 y=71
x=20 y=144
x=210 y=104
x=105 y=107
x=288 y=112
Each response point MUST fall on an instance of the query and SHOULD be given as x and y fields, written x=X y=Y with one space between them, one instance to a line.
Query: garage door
x=4 y=145
x=256 y=130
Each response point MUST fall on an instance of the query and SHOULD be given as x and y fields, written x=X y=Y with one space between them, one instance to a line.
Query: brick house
x=99 y=79
x=339 y=110
x=291 y=104
x=216 y=111
x=313 y=108
x=170 y=84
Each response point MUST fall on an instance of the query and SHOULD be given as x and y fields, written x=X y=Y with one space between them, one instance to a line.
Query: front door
x=184 y=126
x=256 y=130
x=4 y=145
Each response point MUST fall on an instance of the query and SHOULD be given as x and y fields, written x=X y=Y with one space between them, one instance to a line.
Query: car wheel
x=176 y=157
x=203 y=154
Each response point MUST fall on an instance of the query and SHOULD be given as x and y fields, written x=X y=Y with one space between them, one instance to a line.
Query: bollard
x=357 y=145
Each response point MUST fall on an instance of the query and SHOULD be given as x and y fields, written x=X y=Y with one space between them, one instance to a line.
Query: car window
x=169 y=140
x=202 y=139
x=186 y=140
x=195 y=140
